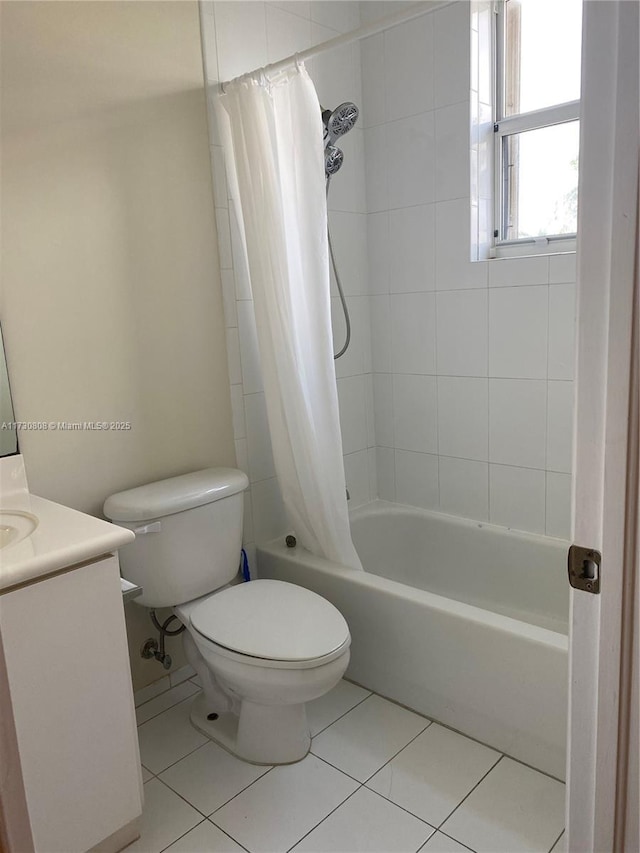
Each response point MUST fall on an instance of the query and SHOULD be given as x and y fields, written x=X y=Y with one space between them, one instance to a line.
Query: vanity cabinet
x=70 y=691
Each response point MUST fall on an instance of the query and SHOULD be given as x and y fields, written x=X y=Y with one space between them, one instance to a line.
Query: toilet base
x=259 y=734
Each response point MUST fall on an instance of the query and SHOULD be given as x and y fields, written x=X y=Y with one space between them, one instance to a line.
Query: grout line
x=293 y=846
x=466 y=847
x=184 y=799
x=479 y=782
x=183 y=835
x=328 y=726
x=553 y=846
x=178 y=702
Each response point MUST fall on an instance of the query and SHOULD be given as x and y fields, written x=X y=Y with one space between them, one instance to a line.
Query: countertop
x=63 y=536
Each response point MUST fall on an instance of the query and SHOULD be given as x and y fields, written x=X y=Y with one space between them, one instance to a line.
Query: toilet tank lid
x=175 y=494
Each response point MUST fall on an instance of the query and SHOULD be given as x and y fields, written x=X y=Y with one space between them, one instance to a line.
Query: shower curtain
x=273 y=139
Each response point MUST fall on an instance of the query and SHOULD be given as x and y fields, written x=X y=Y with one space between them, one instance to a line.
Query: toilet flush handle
x=154 y=527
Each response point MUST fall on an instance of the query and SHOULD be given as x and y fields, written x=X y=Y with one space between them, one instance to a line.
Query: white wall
x=472 y=361
x=111 y=302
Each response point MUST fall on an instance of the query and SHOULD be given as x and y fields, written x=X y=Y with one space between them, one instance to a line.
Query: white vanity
x=64 y=677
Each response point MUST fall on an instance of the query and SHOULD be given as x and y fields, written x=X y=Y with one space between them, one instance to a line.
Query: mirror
x=8 y=432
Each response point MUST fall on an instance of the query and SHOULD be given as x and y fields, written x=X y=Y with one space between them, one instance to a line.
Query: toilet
x=262 y=648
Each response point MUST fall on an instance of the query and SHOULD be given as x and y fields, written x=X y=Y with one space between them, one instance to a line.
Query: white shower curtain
x=273 y=137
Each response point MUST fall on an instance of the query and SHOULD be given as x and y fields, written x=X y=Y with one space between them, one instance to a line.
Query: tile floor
x=379 y=779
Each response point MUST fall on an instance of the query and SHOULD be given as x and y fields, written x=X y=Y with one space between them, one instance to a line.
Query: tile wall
x=456 y=393
x=472 y=361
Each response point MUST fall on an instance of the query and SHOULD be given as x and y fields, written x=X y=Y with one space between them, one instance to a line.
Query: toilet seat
x=271 y=623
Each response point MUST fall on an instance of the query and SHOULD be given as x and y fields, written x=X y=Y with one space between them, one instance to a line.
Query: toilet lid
x=272 y=620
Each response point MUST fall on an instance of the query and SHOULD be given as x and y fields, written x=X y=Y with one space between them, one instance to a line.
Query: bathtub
x=464 y=622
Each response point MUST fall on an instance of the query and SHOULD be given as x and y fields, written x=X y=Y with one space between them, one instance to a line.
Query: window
x=536 y=127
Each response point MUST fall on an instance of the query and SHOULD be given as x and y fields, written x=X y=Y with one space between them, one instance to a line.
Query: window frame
x=504 y=126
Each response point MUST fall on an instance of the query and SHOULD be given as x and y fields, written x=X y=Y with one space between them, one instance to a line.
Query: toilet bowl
x=262 y=649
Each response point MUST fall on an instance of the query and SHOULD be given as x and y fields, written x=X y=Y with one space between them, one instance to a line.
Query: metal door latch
x=584 y=569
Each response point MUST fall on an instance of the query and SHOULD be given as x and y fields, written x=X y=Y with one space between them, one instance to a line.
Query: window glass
x=543 y=49
x=541 y=181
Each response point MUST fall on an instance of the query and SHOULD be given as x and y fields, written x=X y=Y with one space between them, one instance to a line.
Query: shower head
x=340 y=121
x=333 y=157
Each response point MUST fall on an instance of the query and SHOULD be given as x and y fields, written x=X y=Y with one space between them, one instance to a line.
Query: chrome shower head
x=333 y=158
x=340 y=121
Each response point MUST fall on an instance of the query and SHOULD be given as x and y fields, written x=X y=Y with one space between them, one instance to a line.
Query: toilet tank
x=188 y=534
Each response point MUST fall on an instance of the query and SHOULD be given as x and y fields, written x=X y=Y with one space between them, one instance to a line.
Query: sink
x=15 y=526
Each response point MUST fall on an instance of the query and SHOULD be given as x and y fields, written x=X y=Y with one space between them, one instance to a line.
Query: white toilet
x=262 y=649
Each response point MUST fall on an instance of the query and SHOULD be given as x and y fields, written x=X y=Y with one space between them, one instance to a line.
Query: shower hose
x=345 y=310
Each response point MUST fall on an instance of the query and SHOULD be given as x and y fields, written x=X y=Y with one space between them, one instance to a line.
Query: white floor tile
x=439 y=843
x=168 y=738
x=151 y=690
x=366 y=823
x=513 y=809
x=165 y=818
x=164 y=701
x=211 y=776
x=279 y=809
x=432 y=775
x=368 y=736
x=561 y=844
x=146 y=775
x=328 y=708
x=205 y=838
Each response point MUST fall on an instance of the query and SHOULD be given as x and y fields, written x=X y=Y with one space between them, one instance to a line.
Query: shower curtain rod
x=365 y=31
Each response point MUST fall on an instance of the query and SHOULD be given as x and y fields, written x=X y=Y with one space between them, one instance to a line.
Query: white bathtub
x=464 y=622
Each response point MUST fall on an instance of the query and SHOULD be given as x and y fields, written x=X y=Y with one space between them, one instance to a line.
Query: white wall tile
x=376 y=168
x=411 y=160
x=353 y=419
x=464 y=488
x=517 y=498
x=242 y=451
x=269 y=518
x=258 y=438
x=417 y=479
x=517 y=422
x=343 y=16
x=463 y=417
x=408 y=56
x=511 y=272
x=251 y=375
x=383 y=409
x=411 y=249
x=229 y=298
x=237 y=412
x=462 y=333
x=347 y=190
x=238 y=253
x=452 y=152
x=373 y=80
x=415 y=417
x=357 y=357
x=233 y=357
x=562 y=268
x=247 y=520
x=369 y=410
x=224 y=238
x=349 y=240
x=296 y=7
x=286 y=33
x=356 y=472
x=454 y=269
x=379 y=251
x=559 y=426
x=386 y=467
x=518 y=327
x=558 y=505
x=218 y=173
x=380 y=334
x=413 y=332
x=451 y=53
x=562 y=330
x=209 y=48
x=241 y=36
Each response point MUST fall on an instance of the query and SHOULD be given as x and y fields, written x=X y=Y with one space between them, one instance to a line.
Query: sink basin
x=15 y=526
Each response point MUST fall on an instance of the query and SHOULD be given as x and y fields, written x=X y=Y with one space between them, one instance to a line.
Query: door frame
x=603 y=428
